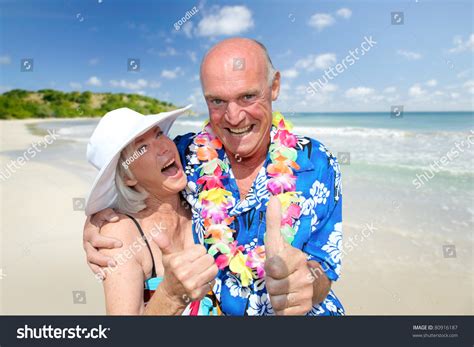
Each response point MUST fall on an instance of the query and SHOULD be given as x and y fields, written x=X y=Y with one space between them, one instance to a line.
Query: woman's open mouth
x=170 y=169
x=240 y=131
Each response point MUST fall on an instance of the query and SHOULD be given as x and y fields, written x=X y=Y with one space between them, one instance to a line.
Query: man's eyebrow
x=211 y=96
x=247 y=92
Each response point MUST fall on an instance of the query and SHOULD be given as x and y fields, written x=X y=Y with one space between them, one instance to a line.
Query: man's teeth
x=240 y=130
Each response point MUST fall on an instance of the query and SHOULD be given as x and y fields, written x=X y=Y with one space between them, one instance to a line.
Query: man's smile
x=240 y=131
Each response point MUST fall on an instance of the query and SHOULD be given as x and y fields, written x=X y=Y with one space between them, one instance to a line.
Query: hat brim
x=103 y=193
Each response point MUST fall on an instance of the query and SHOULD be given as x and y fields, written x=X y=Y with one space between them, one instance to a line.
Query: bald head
x=241 y=53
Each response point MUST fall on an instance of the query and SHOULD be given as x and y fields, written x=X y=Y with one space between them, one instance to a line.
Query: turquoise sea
x=385 y=161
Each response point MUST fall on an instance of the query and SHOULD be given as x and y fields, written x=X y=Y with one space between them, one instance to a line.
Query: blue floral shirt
x=319 y=229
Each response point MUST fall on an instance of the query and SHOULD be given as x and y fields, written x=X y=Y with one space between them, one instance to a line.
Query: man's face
x=240 y=104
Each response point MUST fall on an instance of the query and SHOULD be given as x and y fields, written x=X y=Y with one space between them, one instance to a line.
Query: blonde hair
x=129 y=199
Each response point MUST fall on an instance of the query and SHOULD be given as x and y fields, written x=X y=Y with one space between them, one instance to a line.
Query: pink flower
x=222 y=261
x=256 y=260
x=293 y=212
x=280 y=183
x=286 y=138
x=214 y=181
x=215 y=212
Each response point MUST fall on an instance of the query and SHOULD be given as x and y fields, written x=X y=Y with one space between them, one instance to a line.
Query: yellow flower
x=277 y=117
x=237 y=265
x=288 y=198
x=216 y=195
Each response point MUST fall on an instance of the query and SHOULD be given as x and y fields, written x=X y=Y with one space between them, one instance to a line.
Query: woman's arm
x=123 y=283
x=162 y=304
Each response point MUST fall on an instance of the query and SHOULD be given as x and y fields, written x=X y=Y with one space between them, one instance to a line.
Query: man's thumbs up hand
x=274 y=242
x=286 y=270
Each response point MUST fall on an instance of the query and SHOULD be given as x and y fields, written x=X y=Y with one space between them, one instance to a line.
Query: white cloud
x=229 y=20
x=75 y=85
x=461 y=46
x=94 y=81
x=188 y=29
x=312 y=62
x=192 y=56
x=134 y=85
x=5 y=59
x=464 y=73
x=93 y=61
x=197 y=99
x=344 y=12
x=169 y=52
x=4 y=89
x=469 y=85
x=431 y=83
x=416 y=91
x=285 y=54
x=390 y=90
x=328 y=88
x=194 y=78
x=359 y=92
x=409 y=55
x=290 y=73
x=321 y=21
x=171 y=74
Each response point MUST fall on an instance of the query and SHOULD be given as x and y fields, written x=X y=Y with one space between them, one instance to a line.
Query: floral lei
x=216 y=201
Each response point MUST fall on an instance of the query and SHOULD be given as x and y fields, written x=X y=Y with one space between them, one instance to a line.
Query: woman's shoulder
x=124 y=229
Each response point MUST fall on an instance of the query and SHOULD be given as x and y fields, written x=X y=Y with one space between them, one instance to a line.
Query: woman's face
x=155 y=164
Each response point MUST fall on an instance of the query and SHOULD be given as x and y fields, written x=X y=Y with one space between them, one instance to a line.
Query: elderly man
x=239 y=84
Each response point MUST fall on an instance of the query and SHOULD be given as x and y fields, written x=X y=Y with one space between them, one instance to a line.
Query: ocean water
x=381 y=160
x=375 y=141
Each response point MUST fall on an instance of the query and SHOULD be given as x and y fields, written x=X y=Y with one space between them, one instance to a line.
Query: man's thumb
x=164 y=243
x=274 y=242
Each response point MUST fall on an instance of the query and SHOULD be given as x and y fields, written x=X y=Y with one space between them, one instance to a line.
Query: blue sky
x=426 y=63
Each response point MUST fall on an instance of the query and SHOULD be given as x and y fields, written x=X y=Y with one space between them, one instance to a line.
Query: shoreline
x=398 y=269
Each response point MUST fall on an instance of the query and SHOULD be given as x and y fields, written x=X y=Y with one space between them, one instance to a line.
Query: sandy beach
x=394 y=264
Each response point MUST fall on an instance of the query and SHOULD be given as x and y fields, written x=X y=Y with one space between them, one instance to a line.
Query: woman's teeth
x=240 y=131
x=170 y=169
x=168 y=165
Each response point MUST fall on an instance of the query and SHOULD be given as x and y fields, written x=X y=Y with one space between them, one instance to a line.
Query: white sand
x=41 y=251
x=389 y=272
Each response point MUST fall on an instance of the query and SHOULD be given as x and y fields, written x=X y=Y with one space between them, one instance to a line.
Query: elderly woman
x=159 y=269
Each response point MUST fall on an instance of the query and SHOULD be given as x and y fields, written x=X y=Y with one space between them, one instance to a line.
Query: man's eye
x=217 y=101
x=159 y=133
x=142 y=148
x=248 y=97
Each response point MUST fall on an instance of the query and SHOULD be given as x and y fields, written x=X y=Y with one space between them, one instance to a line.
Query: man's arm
x=93 y=241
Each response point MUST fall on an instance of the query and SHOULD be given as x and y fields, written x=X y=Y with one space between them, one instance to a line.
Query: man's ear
x=276 y=86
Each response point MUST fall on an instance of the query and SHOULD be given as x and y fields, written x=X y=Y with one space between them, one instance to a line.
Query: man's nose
x=234 y=114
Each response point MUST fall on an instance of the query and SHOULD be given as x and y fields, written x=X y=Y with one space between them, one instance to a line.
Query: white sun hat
x=114 y=132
